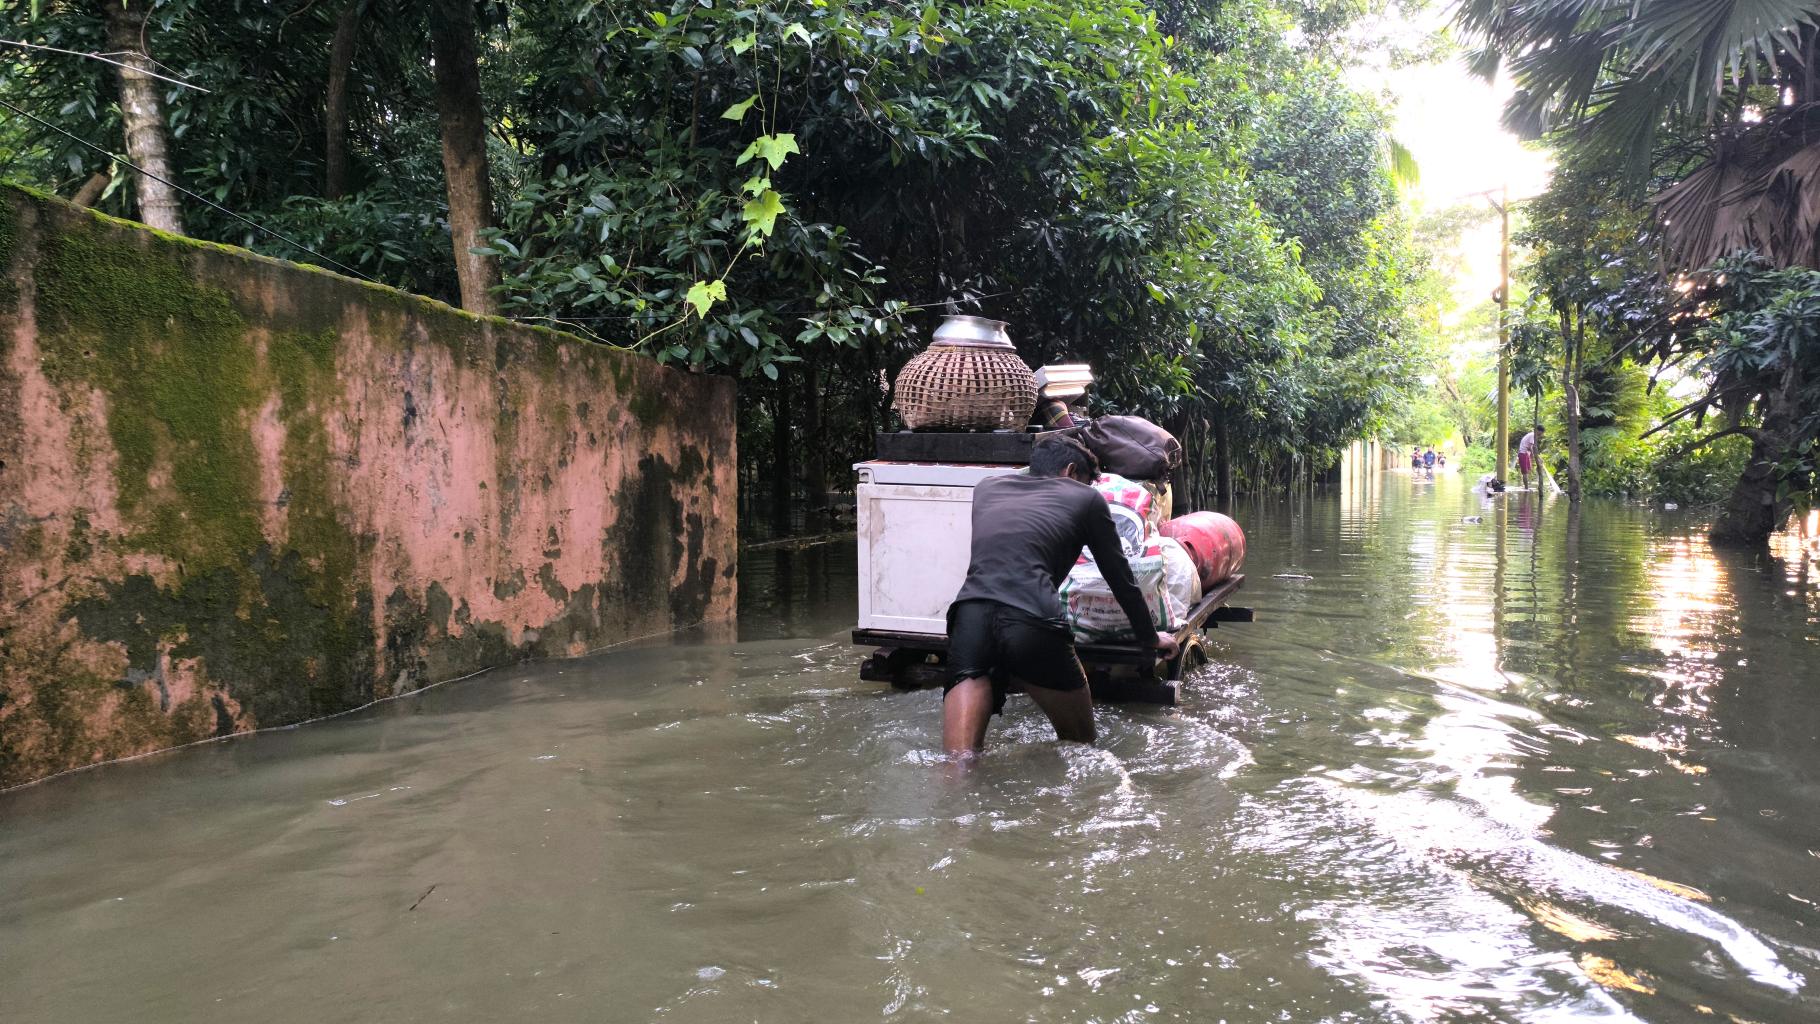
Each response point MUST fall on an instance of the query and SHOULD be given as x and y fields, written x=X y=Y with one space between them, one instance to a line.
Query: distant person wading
x=1528 y=451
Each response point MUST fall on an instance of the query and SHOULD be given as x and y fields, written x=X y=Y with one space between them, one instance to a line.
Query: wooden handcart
x=1115 y=672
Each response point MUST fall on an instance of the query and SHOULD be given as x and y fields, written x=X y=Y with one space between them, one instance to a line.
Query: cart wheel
x=1196 y=655
x=1193 y=655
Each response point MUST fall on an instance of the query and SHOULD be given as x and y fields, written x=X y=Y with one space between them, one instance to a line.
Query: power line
x=201 y=199
x=799 y=313
x=103 y=59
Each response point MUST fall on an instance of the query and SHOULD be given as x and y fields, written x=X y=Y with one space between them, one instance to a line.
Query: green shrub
x=1478 y=461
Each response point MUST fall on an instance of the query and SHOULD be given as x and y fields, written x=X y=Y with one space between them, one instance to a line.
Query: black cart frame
x=1115 y=672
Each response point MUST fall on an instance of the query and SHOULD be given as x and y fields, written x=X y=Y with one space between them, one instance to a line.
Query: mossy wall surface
x=239 y=493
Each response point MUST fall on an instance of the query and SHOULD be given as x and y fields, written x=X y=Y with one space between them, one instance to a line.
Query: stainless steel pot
x=973 y=332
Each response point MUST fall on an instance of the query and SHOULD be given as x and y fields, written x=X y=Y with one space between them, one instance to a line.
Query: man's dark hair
x=1051 y=455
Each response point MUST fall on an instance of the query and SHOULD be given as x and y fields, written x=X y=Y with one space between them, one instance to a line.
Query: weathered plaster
x=238 y=493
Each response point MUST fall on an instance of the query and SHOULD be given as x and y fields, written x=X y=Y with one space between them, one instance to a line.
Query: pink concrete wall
x=237 y=493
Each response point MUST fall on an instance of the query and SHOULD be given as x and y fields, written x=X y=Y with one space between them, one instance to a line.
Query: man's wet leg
x=966 y=709
x=1070 y=711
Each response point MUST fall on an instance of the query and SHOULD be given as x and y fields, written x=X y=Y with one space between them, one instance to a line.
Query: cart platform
x=1116 y=672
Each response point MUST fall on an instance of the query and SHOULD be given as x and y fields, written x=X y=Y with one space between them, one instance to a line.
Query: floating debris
x=343 y=801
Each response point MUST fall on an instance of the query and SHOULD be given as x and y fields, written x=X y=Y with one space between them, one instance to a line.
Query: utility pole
x=1503 y=445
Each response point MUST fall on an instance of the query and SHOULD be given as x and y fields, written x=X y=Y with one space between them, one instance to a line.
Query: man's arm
x=1109 y=554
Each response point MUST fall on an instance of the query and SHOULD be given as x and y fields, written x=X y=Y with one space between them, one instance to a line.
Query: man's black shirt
x=1027 y=533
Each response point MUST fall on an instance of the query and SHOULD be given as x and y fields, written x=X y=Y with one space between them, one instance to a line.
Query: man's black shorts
x=986 y=638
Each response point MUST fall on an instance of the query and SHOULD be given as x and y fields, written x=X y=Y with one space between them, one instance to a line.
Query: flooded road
x=1538 y=767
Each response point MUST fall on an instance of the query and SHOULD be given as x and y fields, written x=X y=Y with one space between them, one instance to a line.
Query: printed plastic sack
x=1134 y=534
x=1181 y=578
x=1135 y=513
x=1094 y=614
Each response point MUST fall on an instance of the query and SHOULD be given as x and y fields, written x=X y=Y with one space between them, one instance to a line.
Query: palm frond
x=1484 y=62
x=1627 y=117
x=1797 y=187
x=1758 y=191
x=1712 y=43
x=1405 y=173
x=1568 y=56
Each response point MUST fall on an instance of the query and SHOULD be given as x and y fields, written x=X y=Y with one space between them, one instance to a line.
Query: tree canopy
x=1186 y=195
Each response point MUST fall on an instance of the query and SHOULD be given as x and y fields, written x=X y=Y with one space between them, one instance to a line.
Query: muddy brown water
x=1544 y=766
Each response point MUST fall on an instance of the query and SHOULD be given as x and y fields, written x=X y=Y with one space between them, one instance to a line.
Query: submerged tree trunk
x=1783 y=442
x=335 y=104
x=1573 y=339
x=1183 y=478
x=1573 y=444
x=142 y=114
x=464 y=149
x=815 y=461
x=1753 y=510
x=1759 y=504
x=1222 y=462
x=780 y=458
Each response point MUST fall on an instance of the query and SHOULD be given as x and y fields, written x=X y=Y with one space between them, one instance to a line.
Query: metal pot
x=973 y=332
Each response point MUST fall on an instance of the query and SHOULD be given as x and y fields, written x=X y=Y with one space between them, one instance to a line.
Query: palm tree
x=1612 y=75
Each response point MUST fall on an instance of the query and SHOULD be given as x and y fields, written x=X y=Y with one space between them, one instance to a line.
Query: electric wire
x=199 y=198
x=103 y=59
x=912 y=307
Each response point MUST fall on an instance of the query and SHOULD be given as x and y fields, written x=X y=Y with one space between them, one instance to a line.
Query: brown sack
x=1132 y=446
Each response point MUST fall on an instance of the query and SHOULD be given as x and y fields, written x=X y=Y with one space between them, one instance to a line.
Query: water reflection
x=1477 y=760
x=1518 y=648
x=809 y=592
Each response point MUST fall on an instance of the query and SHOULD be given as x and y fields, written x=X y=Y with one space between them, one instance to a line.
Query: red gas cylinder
x=1214 y=541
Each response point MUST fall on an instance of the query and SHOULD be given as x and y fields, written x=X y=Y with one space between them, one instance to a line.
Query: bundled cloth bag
x=1132 y=446
x=1141 y=498
x=1095 y=615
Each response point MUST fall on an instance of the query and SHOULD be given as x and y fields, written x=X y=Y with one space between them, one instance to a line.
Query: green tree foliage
x=1585 y=239
x=254 y=141
x=1324 y=182
x=1712 y=107
x=793 y=191
x=1755 y=331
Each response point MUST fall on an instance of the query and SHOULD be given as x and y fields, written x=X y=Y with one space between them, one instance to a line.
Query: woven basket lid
x=972 y=332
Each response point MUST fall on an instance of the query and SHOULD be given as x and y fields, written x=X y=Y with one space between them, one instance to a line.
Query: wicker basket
x=966 y=384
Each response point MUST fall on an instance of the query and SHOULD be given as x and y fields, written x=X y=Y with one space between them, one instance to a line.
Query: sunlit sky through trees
x=1449 y=120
